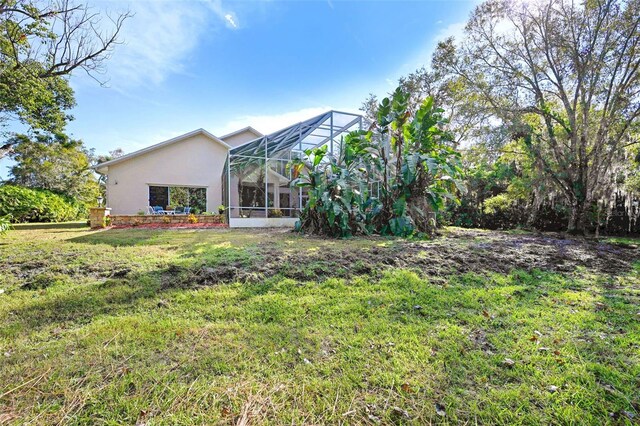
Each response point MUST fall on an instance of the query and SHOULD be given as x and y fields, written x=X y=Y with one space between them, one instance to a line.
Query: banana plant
x=410 y=158
x=5 y=224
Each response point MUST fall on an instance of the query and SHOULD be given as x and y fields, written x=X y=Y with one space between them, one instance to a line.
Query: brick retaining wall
x=133 y=220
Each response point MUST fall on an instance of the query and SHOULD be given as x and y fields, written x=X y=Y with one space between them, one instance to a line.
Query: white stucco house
x=245 y=171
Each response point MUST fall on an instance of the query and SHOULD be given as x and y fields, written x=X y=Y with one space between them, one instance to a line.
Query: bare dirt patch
x=457 y=252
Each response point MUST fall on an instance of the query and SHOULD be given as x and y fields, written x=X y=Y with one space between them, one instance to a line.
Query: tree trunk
x=533 y=216
x=577 y=218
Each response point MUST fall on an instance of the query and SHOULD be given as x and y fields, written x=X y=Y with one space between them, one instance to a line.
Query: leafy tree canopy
x=41 y=43
x=566 y=77
x=551 y=88
x=55 y=163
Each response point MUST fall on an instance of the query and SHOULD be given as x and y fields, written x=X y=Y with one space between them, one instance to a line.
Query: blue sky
x=222 y=65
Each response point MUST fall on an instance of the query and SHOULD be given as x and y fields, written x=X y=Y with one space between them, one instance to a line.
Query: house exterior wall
x=197 y=162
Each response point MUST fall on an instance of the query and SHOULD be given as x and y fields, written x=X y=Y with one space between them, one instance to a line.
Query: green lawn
x=269 y=327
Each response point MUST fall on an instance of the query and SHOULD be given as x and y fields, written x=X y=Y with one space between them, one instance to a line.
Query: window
x=196 y=198
x=178 y=196
x=159 y=196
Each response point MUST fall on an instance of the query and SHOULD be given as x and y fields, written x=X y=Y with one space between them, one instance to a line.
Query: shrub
x=192 y=218
x=166 y=219
x=499 y=203
x=275 y=213
x=38 y=205
x=106 y=222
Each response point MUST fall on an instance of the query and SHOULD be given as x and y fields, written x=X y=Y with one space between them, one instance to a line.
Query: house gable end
x=242 y=136
x=103 y=167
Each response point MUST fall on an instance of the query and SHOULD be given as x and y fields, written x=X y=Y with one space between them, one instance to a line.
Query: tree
x=370 y=107
x=57 y=164
x=112 y=155
x=466 y=111
x=41 y=43
x=565 y=76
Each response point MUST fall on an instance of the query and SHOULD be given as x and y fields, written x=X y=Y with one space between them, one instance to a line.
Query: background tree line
x=544 y=100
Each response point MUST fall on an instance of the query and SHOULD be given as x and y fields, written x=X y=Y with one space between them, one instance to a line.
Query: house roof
x=244 y=129
x=161 y=145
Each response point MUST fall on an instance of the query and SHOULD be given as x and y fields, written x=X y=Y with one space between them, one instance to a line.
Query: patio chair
x=158 y=210
x=150 y=210
x=187 y=210
x=178 y=210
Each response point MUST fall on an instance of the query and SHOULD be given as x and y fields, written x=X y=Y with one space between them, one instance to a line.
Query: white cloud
x=157 y=39
x=269 y=123
x=222 y=12
x=230 y=20
x=160 y=36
